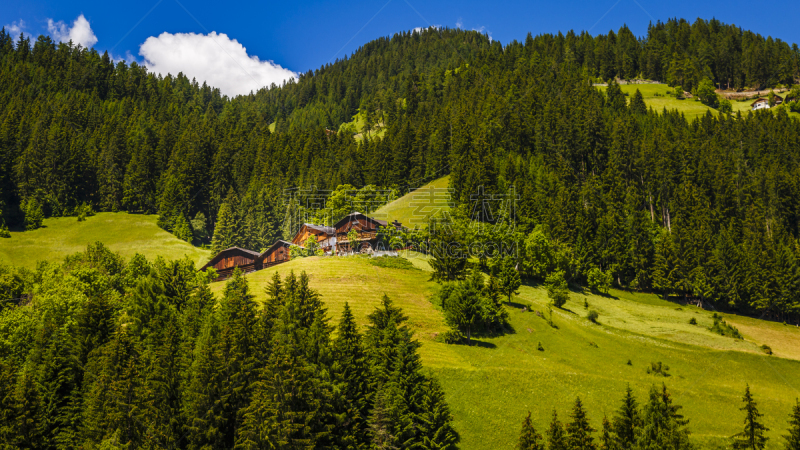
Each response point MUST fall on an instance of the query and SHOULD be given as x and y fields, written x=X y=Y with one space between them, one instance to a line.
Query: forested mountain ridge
x=706 y=208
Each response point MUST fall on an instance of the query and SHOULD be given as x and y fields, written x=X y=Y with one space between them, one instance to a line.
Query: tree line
x=704 y=209
x=656 y=424
x=98 y=352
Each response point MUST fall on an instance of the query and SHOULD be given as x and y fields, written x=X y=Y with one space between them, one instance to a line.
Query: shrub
x=725 y=106
x=692 y=321
x=392 y=262
x=33 y=215
x=451 y=337
x=539 y=347
x=766 y=348
x=557 y=289
x=656 y=368
x=599 y=281
x=593 y=316
x=4 y=233
x=630 y=363
x=723 y=328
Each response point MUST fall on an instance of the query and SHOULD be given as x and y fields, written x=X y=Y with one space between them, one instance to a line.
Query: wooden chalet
x=326 y=237
x=276 y=254
x=229 y=259
x=366 y=227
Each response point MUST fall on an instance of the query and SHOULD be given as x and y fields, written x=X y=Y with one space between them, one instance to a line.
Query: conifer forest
x=102 y=352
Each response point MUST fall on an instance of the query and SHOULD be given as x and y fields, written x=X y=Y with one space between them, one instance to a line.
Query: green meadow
x=657 y=96
x=124 y=233
x=493 y=384
x=414 y=209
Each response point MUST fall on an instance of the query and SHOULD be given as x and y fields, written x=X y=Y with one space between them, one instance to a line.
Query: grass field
x=492 y=385
x=656 y=97
x=125 y=233
x=414 y=208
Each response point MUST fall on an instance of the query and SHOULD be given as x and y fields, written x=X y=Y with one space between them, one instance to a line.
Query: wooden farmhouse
x=366 y=227
x=763 y=103
x=230 y=258
x=278 y=253
x=328 y=238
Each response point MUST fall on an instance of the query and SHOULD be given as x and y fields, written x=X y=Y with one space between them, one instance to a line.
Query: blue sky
x=303 y=36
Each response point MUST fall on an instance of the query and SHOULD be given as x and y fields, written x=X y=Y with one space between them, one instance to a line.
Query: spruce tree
x=607 y=441
x=225 y=230
x=637 y=105
x=556 y=438
x=793 y=438
x=509 y=278
x=436 y=431
x=579 y=432
x=529 y=439
x=752 y=437
x=626 y=421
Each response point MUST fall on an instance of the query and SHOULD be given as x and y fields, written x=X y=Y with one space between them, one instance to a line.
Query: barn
x=230 y=258
x=325 y=236
x=366 y=227
x=276 y=254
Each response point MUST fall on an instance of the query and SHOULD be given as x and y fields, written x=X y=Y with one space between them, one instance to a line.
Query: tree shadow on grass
x=476 y=343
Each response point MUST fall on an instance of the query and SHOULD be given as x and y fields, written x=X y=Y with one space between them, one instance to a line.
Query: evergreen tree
x=626 y=421
x=509 y=278
x=793 y=438
x=529 y=439
x=579 y=432
x=637 y=105
x=556 y=438
x=753 y=435
x=226 y=233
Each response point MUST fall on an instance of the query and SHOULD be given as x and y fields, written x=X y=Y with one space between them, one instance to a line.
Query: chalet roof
x=355 y=215
x=278 y=243
x=759 y=100
x=227 y=250
x=320 y=228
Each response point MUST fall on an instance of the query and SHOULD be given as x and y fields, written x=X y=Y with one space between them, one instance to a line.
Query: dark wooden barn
x=227 y=260
x=276 y=254
x=366 y=227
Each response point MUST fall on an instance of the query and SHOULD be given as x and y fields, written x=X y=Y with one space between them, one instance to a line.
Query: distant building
x=328 y=239
x=763 y=102
x=229 y=259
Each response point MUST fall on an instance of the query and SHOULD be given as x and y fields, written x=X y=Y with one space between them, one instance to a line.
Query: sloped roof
x=320 y=228
x=279 y=242
x=353 y=215
x=217 y=257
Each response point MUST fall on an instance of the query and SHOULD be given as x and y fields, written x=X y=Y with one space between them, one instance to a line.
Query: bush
x=656 y=368
x=707 y=94
x=766 y=348
x=692 y=321
x=593 y=316
x=4 y=233
x=599 y=281
x=723 y=328
x=629 y=362
x=539 y=347
x=450 y=337
x=33 y=215
x=392 y=262
x=725 y=106
x=557 y=289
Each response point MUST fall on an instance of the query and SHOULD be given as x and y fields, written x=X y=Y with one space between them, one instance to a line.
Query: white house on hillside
x=763 y=103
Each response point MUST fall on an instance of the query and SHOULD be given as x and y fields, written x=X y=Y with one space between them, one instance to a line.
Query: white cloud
x=15 y=28
x=459 y=23
x=483 y=30
x=220 y=61
x=421 y=29
x=80 y=32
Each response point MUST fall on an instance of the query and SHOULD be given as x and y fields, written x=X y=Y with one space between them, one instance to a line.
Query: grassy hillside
x=414 y=208
x=125 y=233
x=656 y=96
x=492 y=385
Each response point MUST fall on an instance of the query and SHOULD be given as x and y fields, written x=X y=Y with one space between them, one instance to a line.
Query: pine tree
x=509 y=278
x=579 y=432
x=529 y=439
x=626 y=421
x=793 y=438
x=556 y=438
x=226 y=233
x=637 y=105
x=33 y=215
x=752 y=437
x=352 y=372
x=662 y=425
x=607 y=441
x=436 y=430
